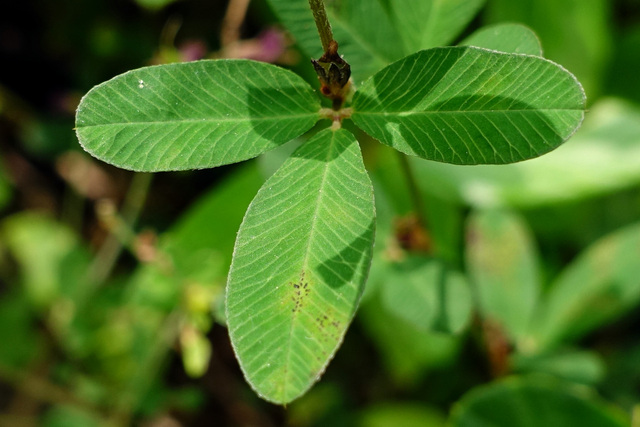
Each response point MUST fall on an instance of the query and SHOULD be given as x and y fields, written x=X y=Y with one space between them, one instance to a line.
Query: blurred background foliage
x=519 y=301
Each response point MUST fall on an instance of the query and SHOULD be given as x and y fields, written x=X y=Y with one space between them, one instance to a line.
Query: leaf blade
x=424 y=293
x=194 y=115
x=466 y=105
x=526 y=401
x=301 y=258
x=599 y=286
x=503 y=263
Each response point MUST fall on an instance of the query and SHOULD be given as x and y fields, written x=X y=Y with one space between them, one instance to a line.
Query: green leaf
x=425 y=294
x=194 y=115
x=431 y=23
x=602 y=284
x=467 y=105
x=583 y=367
x=503 y=265
x=528 y=402
x=603 y=156
x=407 y=353
x=300 y=262
x=52 y=260
x=509 y=38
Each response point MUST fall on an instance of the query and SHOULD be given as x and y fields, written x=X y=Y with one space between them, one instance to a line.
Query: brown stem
x=233 y=19
x=333 y=72
x=322 y=22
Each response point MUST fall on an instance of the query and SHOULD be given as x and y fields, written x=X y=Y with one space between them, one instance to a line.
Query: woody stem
x=322 y=22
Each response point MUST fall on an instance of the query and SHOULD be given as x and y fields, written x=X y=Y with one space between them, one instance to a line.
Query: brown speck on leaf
x=298 y=296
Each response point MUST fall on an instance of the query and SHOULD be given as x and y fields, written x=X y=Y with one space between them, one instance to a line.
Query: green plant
x=304 y=249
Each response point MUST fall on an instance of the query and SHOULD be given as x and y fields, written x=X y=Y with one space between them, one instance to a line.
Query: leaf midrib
x=305 y=260
x=411 y=113
x=203 y=120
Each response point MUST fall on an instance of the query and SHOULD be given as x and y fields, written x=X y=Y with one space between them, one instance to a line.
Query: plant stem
x=322 y=22
x=233 y=18
x=414 y=191
x=108 y=253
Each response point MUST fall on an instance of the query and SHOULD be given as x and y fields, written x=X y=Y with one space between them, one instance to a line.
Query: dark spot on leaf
x=298 y=297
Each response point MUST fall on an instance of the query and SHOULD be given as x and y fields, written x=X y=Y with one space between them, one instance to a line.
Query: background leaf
x=407 y=353
x=509 y=38
x=194 y=115
x=503 y=266
x=424 y=293
x=207 y=231
x=576 y=34
x=526 y=401
x=300 y=262
x=467 y=105
x=600 y=285
x=51 y=256
x=431 y=23
x=584 y=367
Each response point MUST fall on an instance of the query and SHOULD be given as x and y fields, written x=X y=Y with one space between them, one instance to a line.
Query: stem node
x=333 y=71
